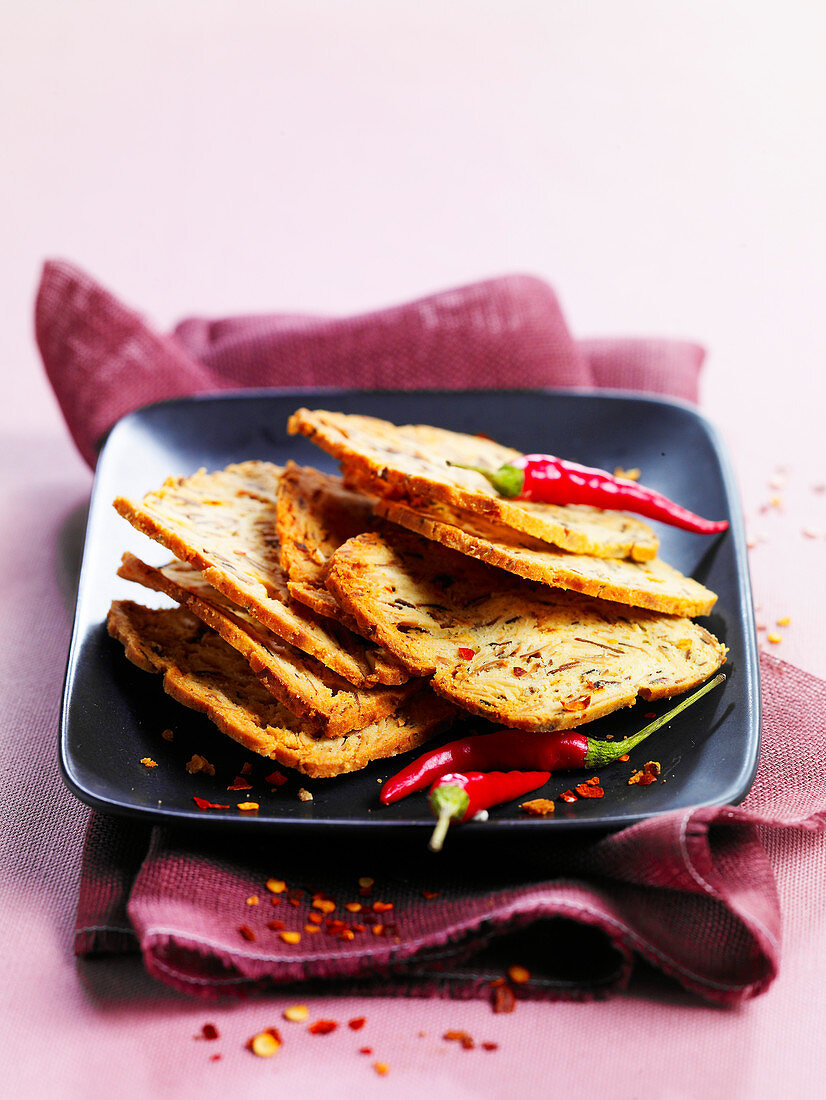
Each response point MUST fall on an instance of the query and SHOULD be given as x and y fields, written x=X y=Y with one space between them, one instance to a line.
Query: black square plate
x=113 y=714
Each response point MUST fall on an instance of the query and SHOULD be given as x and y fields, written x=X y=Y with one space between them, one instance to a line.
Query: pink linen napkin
x=103 y=359
x=691 y=892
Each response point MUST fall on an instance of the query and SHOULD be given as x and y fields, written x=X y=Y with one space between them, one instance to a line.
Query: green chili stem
x=508 y=480
x=606 y=752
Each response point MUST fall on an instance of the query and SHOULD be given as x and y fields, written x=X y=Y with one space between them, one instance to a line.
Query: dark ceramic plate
x=113 y=713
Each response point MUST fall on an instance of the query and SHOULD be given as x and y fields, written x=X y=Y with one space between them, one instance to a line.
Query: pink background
x=663 y=165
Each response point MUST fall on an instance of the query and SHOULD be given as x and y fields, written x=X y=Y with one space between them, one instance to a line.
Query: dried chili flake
x=304 y=795
x=381 y=1068
x=625 y=756
x=247 y=807
x=311 y=928
x=347 y=934
x=467 y=654
x=489 y=1046
x=461 y=1037
x=353 y=906
x=247 y=933
x=357 y=1023
x=576 y=704
x=253 y=899
x=365 y=885
x=148 y=762
x=647 y=775
x=296 y=1013
x=265 y=1043
x=275 y=925
x=215 y=1057
x=359 y=927
x=381 y=906
x=538 y=807
x=324 y=905
x=275 y=779
x=209 y=1032
x=429 y=895
x=295 y=902
x=246 y=769
x=322 y=1027
x=291 y=937
x=240 y=784
x=198 y=764
x=315 y=918
x=517 y=671
x=590 y=789
x=784 y=621
x=365 y=1050
x=503 y=999
x=276 y=885
x=377 y=929
x=519 y=974
x=167 y=735
x=204 y=804
x=568 y=796
x=650 y=714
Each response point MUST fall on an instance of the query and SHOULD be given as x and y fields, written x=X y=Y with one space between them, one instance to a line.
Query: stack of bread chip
x=325 y=622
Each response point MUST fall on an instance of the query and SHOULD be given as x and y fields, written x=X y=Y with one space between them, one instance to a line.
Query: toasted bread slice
x=201 y=671
x=316 y=514
x=651 y=584
x=519 y=653
x=223 y=524
x=328 y=703
x=411 y=463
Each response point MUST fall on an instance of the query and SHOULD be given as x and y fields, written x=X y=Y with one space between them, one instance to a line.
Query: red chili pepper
x=561 y=750
x=458 y=796
x=546 y=479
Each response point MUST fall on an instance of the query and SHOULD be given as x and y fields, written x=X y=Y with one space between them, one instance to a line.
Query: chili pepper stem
x=508 y=480
x=449 y=803
x=604 y=752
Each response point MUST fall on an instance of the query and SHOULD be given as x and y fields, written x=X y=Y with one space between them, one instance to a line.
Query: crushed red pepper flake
x=253 y=899
x=322 y=1027
x=489 y=1046
x=275 y=925
x=209 y=1032
x=215 y=1057
x=466 y=654
x=382 y=906
x=167 y=735
x=304 y=795
x=503 y=999
x=246 y=769
x=353 y=906
x=647 y=775
x=538 y=807
x=315 y=918
x=276 y=885
x=650 y=714
x=240 y=784
x=586 y=791
x=517 y=671
x=290 y=937
x=357 y=1023
x=265 y=1043
x=568 y=796
x=247 y=807
x=275 y=779
x=148 y=762
x=625 y=756
x=429 y=895
x=247 y=933
x=205 y=804
x=519 y=974
x=462 y=1037
x=365 y=1050
x=381 y=1068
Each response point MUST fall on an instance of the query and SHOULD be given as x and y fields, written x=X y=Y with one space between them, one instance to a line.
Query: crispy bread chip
x=519 y=653
x=316 y=514
x=204 y=673
x=410 y=463
x=223 y=524
x=651 y=584
x=328 y=703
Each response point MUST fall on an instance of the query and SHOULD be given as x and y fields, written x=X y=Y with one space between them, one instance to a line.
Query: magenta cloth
x=103 y=359
x=691 y=892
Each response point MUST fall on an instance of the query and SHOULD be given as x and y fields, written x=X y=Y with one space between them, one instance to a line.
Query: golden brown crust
x=523 y=654
x=328 y=703
x=202 y=672
x=223 y=524
x=410 y=463
x=652 y=584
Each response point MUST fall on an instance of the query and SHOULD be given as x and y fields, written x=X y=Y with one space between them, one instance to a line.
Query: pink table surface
x=340 y=157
